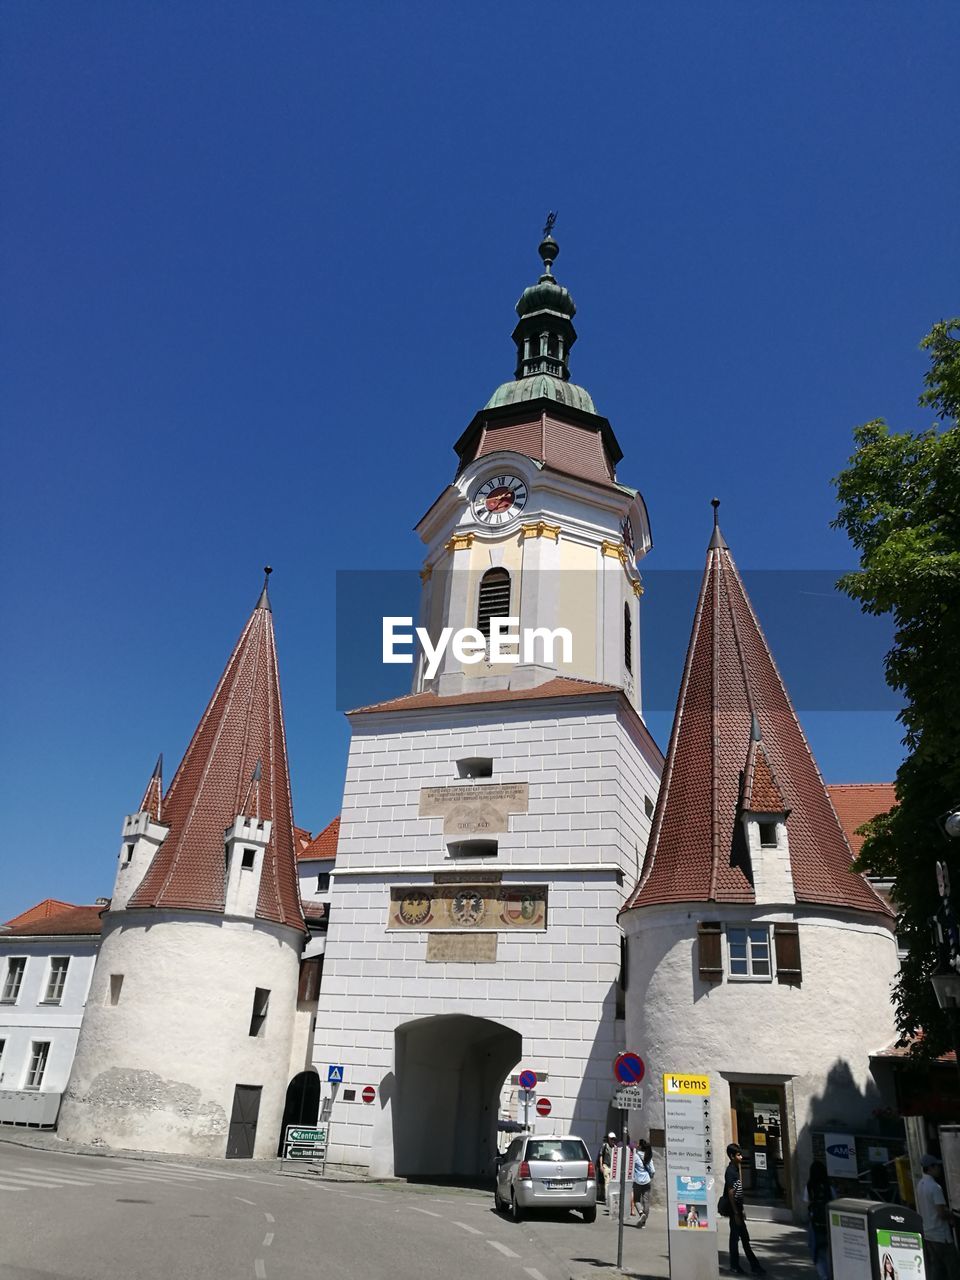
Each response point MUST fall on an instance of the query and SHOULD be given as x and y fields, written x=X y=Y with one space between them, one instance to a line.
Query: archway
x=450 y=1070
x=302 y=1105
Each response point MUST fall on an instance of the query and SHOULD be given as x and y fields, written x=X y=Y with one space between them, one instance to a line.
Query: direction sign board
x=308 y=1143
x=629 y=1098
x=528 y=1079
x=629 y=1068
x=691 y=1199
x=335 y=1074
x=544 y=1106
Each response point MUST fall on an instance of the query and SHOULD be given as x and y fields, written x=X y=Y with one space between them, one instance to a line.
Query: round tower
x=186 y=1039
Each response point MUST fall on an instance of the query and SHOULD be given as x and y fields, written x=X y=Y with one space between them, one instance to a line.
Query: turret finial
x=549 y=249
x=718 y=539
x=264 y=601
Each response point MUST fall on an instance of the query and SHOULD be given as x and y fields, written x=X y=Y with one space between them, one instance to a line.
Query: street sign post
x=630 y=1098
x=691 y=1197
x=629 y=1068
x=307 y=1144
x=528 y=1079
x=335 y=1074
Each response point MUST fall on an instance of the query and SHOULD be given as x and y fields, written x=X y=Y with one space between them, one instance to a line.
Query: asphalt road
x=74 y=1217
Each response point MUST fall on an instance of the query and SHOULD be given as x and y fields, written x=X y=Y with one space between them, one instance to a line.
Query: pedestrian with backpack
x=818 y=1193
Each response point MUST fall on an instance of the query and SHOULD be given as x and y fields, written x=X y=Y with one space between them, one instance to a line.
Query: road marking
x=260 y=1268
x=429 y=1213
x=466 y=1227
x=242 y=1201
x=39 y=1183
x=268 y=1240
x=534 y=1273
x=5 y=1186
x=507 y=1253
x=377 y=1199
x=269 y=1216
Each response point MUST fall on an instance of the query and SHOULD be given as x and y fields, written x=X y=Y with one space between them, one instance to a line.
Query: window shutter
x=710 y=940
x=309 y=985
x=786 y=939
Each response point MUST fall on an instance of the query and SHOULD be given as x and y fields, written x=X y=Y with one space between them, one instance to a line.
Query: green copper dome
x=541 y=384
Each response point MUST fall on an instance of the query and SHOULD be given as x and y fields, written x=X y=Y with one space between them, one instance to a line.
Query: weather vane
x=550 y=223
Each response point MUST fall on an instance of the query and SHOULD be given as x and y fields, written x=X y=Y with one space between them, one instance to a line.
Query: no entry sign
x=528 y=1079
x=544 y=1106
x=629 y=1068
x=369 y=1093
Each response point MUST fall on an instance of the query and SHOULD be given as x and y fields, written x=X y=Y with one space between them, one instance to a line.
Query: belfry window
x=627 y=638
x=493 y=600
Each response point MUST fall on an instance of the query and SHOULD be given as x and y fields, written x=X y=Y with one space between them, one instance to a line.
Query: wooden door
x=243 y=1122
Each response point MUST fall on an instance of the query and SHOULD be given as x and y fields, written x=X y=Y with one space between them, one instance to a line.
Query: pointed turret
x=152 y=801
x=738 y=756
x=241 y=732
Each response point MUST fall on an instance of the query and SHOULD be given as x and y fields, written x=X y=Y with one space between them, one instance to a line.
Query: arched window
x=493 y=600
x=627 y=638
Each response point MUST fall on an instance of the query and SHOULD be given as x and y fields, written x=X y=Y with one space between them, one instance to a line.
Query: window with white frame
x=11 y=983
x=39 y=1051
x=57 y=979
x=748 y=952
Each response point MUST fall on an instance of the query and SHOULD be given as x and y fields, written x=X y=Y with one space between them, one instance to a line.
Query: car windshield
x=557 y=1149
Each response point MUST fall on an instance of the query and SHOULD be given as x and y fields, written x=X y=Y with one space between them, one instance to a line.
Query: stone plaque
x=476 y=810
x=461 y=948
x=468 y=906
x=467 y=877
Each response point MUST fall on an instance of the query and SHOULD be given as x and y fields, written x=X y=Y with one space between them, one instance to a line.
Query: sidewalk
x=782 y=1251
x=47 y=1140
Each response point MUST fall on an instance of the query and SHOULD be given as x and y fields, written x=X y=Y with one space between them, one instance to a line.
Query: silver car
x=546 y=1173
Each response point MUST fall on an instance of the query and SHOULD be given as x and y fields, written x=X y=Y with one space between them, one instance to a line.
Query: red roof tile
x=731 y=693
x=48 y=907
x=324 y=845
x=73 y=920
x=242 y=725
x=560 y=687
x=858 y=802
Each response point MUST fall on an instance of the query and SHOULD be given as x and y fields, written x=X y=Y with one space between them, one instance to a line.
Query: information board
x=690 y=1182
x=306 y=1143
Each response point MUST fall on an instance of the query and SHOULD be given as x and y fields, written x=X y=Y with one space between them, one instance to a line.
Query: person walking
x=643 y=1171
x=942 y=1260
x=605 y=1162
x=818 y=1193
x=739 y=1235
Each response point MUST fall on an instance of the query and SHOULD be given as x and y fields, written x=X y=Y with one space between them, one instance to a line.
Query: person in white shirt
x=937 y=1233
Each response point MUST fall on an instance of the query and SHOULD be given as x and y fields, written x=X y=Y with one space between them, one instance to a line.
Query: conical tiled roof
x=152 y=801
x=242 y=725
x=737 y=743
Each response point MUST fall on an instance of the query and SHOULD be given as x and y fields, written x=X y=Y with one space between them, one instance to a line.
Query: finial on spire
x=264 y=601
x=153 y=796
x=718 y=539
x=158 y=767
x=548 y=246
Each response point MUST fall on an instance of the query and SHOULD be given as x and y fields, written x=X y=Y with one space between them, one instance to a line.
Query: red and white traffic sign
x=544 y=1106
x=629 y=1067
x=369 y=1093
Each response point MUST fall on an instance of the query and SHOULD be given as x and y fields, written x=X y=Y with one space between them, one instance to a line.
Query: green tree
x=899 y=501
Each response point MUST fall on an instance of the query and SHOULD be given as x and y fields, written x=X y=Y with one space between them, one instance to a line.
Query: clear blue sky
x=259 y=264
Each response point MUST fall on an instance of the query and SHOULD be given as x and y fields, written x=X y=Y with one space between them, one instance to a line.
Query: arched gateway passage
x=450 y=1070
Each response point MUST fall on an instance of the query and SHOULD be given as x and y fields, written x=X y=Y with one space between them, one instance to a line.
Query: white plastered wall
x=588 y=768
x=157 y=1071
x=815 y=1039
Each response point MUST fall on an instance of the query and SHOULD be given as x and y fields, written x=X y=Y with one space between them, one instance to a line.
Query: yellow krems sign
x=677 y=1086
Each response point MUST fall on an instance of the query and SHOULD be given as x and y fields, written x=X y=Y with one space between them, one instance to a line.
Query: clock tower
x=494 y=817
x=536 y=526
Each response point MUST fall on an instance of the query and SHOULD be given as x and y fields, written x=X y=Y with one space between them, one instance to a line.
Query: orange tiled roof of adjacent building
x=858 y=802
x=48 y=907
x=323 y=845
x=70 y=920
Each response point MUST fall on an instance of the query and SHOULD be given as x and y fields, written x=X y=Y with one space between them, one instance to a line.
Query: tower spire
x=264 y=601
x=152 y=797
x=545 y=332
x=237 y=756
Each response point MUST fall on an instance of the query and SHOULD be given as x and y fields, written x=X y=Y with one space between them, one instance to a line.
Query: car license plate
x=556 y=1185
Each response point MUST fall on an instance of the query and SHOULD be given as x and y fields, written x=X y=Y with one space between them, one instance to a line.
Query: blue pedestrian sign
x=335 y=1075
x=528 y=1080
x=629 y=1068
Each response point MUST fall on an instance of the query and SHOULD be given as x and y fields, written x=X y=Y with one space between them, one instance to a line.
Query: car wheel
x=590 y=1215
x=516 y=1213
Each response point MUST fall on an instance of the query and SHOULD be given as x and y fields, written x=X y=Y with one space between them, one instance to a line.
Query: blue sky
x=259 y=265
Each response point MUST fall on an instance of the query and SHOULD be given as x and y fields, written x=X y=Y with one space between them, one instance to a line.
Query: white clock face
x=499 y=499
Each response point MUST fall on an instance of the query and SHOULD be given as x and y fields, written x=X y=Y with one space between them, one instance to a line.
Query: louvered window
x=709 y=945
x=309 y=986
x=786 y=940
x=494 y=599
x=627 y=638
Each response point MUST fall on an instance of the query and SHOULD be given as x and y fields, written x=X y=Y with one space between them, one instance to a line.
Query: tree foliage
x=899 y=502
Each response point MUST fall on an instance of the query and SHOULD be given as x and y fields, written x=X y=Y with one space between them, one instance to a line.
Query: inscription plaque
x=461 y=948
x=475 y=810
